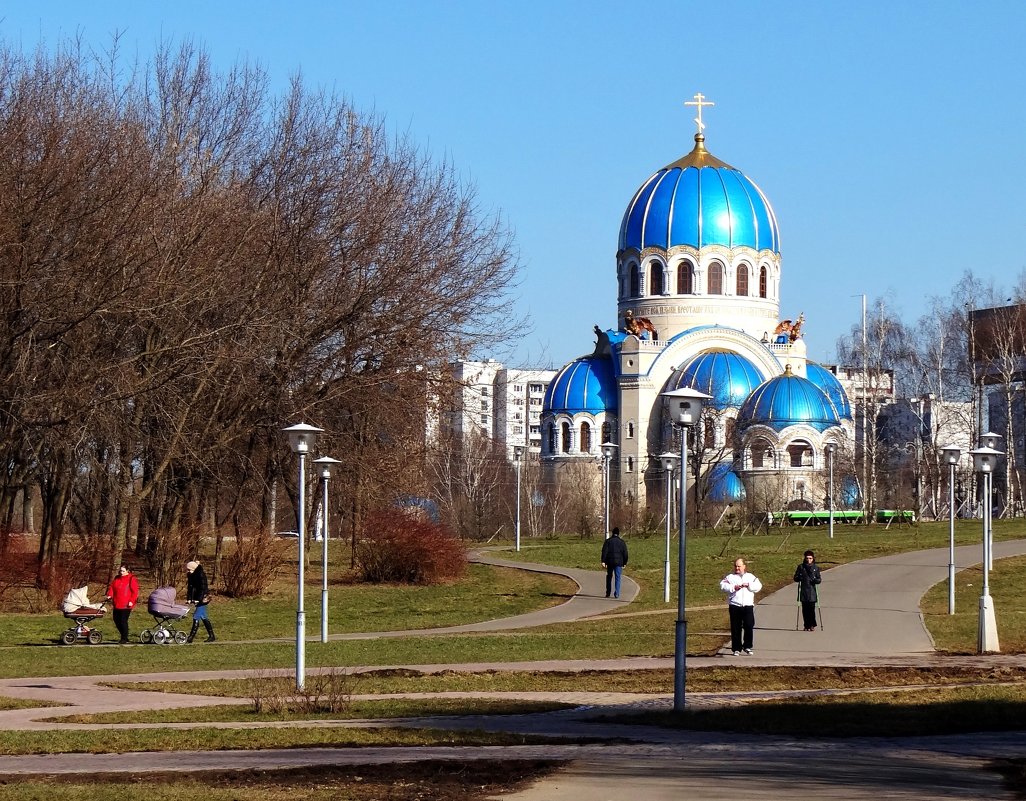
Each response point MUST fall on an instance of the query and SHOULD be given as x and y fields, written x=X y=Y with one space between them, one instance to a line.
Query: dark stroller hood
x=162 y=602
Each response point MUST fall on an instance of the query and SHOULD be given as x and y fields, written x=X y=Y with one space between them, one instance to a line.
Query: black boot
x=195 y=628
x=210 y=631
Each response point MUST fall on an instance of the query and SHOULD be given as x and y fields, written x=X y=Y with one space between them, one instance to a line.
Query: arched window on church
x=742 y=280
x=630 y=430
x=566 y=438
x=762 y=453
x=635 y=288
x=709 y=435
x=585 y=438
x=715 y=278
x=607 y=432
x=763 y=282
x=655 y=281
x=800 y=453
x=685 y=278
x=552 y=438
x=731 y=431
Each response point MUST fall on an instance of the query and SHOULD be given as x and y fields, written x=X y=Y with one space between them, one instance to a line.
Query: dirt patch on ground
x=474 y=780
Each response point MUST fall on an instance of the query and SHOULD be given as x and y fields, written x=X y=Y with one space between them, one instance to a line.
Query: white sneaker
x=737 y=653
x=749 y=651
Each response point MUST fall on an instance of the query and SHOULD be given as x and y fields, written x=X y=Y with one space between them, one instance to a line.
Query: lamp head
x=609 y=449
x=669 y=461
x=518 y=453
x=830 y=447
x=950 y=454
x=990 y=440
x=985 y=460
x=327 y=465
x=302 y=437
x=685 y=405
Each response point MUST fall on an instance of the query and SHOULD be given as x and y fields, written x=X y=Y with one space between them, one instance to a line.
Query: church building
x=698 y=277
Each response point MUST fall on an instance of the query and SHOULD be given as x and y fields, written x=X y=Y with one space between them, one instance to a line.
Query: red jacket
x=124 y=591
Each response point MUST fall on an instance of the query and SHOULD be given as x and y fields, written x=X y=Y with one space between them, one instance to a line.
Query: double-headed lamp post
x=991 y=440
x=608 y=452
x=326 y=465
x=950 y=454
x=301 y=439
x=685 y=410
x=830 y=448
x=669 y=462
x=985 y=462
x=518 y=458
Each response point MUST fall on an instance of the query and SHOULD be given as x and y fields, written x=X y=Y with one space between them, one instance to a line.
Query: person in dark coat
x=807 y=575
x=614 y=559
x=198 y=592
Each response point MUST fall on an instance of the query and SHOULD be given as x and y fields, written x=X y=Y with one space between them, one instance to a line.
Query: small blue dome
x=585 y=385
x=788 y=400
x=828 y=382
x=699 y=201
x=724 y=485
x=728 y=377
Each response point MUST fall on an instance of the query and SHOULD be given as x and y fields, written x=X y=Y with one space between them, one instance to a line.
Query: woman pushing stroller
x=198 y=592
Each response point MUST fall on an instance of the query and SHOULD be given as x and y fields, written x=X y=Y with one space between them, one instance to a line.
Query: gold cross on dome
x=699 y=101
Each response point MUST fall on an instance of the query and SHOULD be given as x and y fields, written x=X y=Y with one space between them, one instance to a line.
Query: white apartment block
x=502 y=403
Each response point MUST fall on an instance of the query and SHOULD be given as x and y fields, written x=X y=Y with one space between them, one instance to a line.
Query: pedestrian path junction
x=873 y=619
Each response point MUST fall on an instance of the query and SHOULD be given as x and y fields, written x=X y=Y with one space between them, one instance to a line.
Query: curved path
x=871 y=615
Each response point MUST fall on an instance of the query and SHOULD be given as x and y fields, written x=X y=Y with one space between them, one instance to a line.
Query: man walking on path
x=741 y=587
x=614 y=559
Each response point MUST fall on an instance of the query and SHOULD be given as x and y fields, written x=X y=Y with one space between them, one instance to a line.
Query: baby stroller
x=162 y=606
x=76 y=607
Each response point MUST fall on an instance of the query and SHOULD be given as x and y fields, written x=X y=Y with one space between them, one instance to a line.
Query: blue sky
x=890 y=137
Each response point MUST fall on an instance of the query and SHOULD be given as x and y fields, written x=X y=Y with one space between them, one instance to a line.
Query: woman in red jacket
x=123 y=592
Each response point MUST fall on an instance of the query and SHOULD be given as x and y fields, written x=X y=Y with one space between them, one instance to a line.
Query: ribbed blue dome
x=698 y=201
x=585 y=385
x=724 y=485
x=787 y=400
x=728 y=377
x=828 y=382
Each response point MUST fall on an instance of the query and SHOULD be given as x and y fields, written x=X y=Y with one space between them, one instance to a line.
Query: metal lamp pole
x=327 y=465
x=301 y=440
x=669 y=461
x=608 y=449
x=990 y=440
x=830 y=447
x=985 y=461
x=951 y=454
x=685 y=408
x=518 y=455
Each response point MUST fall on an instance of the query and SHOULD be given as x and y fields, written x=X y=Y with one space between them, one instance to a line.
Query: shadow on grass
x=816 y=718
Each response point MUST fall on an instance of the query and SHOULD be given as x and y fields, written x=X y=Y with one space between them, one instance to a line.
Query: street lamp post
x=830 y=448
x=608 y=450
x=518 y=456
x=669 y=462
x=301 y=440
x=327 y=466
x=685 y=408
x=985 y=461
x=950 y=454
x=990 y=440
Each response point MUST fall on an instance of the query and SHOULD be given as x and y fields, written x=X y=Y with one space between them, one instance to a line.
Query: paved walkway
x=872 y=617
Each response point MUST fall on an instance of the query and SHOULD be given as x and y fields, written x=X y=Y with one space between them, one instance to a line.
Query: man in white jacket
x=741 y=587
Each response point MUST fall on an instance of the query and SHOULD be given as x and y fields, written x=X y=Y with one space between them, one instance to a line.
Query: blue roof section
x=728 y=377
x=828 y=382
x=585 y=385
x=699 y=206
x=724 y=484
x=788 y=400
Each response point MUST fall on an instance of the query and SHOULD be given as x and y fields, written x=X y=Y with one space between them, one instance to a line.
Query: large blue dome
x=828 y=382
x=585 y=385
x=698 y=201
x=728 y=377
x=724 y=485
x=788 y=400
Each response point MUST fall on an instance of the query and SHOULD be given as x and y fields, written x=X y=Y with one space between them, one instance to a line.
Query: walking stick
x=820 y=608
x=798 y=609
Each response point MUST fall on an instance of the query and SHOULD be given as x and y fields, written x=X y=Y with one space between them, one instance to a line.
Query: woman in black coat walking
x=807 y=576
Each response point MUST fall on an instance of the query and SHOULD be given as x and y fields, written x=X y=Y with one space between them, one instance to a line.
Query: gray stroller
x=166 y=612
